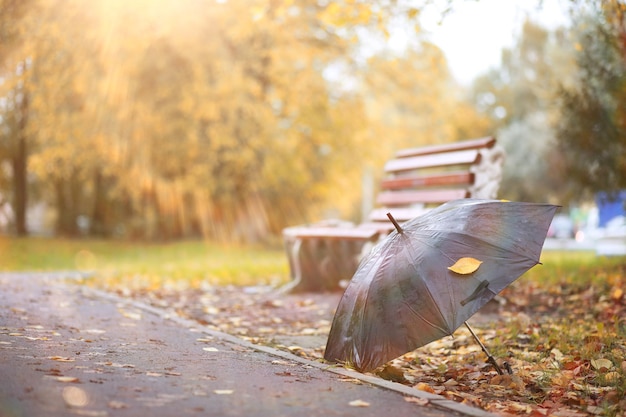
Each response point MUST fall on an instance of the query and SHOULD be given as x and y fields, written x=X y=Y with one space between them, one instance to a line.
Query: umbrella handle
x=490 y=358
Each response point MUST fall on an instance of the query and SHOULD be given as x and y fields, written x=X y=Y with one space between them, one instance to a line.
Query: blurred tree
x=413 y=101
x=13 y=136
x=518 y=98
x=62 y=150
x=163 y=119
x=592 y=131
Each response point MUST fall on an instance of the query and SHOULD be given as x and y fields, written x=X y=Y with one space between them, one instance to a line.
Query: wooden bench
x=323 y=254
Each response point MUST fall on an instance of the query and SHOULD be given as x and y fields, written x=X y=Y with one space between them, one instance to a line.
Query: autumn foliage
x=227 y=119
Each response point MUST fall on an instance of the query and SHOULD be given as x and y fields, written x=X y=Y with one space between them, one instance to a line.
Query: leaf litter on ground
x=565 y=341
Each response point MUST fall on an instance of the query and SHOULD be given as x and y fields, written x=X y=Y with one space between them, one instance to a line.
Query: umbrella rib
x=482 y=241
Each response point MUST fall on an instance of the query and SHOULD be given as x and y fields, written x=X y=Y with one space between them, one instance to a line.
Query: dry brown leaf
x=90 y=413
x=465 y=266
x=94 y=331
x=36 y=338
x=601 y=365
x=611 y=377
x=415 y=400
x=116 y=405
x=557 y=355
x=424 y=387
x=66 y=379
x=392 y=373
x=223 y=391
x=61 y=359
x=210 y=349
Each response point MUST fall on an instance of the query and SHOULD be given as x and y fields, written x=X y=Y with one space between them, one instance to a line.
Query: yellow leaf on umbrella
x=465 y=266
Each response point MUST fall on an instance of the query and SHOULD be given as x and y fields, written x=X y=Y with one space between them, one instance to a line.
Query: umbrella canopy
x=425 y=280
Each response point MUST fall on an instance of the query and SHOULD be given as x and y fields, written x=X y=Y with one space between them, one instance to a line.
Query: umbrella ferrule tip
x=395 y=223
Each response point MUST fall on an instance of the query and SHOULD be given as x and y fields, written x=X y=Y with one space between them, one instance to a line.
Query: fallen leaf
x=120 y=365
x=392 y=373
x=465 y=266
x=61 y=359
x=450 y=383
x=36 y=338
x=94 y=331
x=595 y=410
x=90 y=413
x=601 y=365
x=116 y=405
x=519 y=408
x=66 y=379
x=131 y=314
x=359 y=403
x=223 y=391
x=557 y=355
x=424 y=387
x=508 y=381
x=415 y=400
x=611 y=377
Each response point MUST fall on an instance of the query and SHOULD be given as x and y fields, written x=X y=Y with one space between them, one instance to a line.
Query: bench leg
x=293 y=254
x=320 y=264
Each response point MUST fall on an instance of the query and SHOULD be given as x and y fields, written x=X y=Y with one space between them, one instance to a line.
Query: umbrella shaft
x=489 y=357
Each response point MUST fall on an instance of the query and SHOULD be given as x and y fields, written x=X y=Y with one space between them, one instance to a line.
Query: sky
x=473 y=34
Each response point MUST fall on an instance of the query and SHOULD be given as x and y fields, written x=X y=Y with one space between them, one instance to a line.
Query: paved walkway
x=69 y=350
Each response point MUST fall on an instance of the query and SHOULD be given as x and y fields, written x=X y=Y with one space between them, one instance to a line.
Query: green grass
x=577 y=268
x=201 y=261
x=153 y=264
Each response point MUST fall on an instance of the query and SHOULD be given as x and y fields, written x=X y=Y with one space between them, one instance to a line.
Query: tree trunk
x=98 y=215
x=66 y=214
x=19 y=165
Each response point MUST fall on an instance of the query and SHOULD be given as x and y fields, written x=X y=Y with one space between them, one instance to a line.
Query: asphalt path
x=66 y=349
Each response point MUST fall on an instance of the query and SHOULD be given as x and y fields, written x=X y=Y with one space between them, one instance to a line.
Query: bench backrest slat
x=401 y=214
x=487 y=142
x=412 y=181
x=465 y=157
x=404 y=198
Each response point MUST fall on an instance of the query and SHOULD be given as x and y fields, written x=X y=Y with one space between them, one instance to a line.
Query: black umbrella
x=429 y=276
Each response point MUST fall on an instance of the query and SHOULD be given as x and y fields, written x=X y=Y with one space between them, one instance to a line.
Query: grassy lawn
x=148 y=264
x=195 y=261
